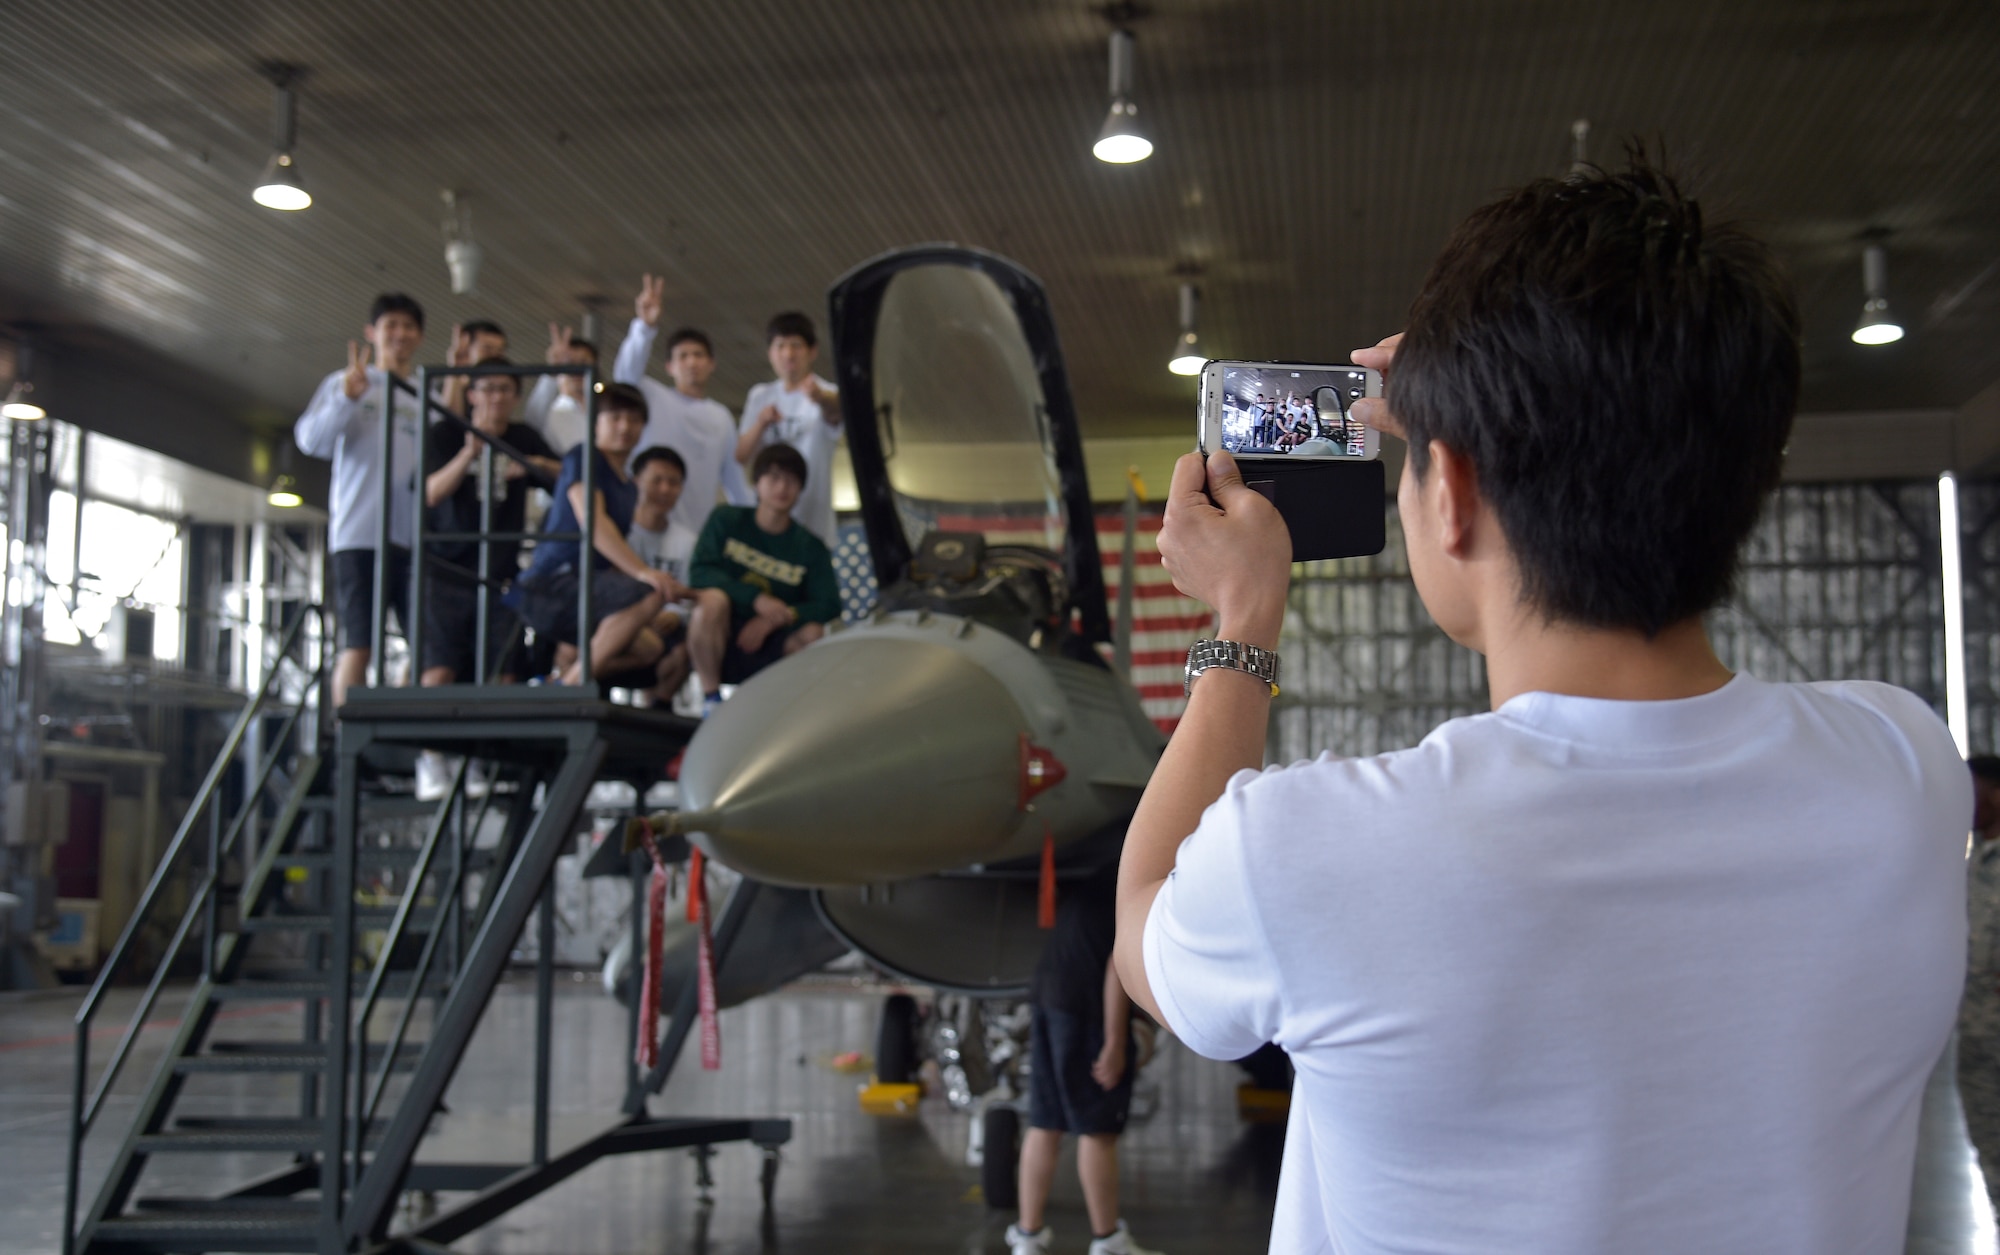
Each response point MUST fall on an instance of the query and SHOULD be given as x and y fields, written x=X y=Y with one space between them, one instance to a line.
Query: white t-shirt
x=1587 y=976
x=804 y=427
x=670 y=550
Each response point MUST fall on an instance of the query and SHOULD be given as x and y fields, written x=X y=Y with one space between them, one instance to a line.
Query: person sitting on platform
x=625 y=593
x=765 y=585
x=343 y=423
x=666 y=546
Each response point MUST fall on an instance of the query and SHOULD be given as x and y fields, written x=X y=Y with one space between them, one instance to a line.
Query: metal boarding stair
x=365 y=1094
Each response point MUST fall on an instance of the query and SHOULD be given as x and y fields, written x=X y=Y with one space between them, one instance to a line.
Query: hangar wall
x=1839 y=581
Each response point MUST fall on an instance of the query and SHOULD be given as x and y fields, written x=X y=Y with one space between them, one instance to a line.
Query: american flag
x=1164 y=623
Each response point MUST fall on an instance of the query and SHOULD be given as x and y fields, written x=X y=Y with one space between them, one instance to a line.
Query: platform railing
x=485 y=580
x=203 y=905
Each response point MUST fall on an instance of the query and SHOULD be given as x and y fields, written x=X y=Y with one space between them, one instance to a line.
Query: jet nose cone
x=859 y=760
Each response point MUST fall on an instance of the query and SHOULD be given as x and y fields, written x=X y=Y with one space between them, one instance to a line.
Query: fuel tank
x=912 y=744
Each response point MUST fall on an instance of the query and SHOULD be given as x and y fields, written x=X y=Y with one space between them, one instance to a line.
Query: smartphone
x=1286 y=410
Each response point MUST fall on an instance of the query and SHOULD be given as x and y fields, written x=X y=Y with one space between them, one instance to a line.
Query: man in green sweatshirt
x=764 y=586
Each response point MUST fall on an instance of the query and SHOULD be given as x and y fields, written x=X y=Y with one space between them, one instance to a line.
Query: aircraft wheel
x=1000 y=1157
x=896 y=1041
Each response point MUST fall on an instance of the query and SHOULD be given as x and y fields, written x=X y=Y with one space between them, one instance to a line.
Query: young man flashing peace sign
x=1651 y=957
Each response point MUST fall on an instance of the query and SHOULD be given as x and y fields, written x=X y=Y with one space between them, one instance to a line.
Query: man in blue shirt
x=625 y=592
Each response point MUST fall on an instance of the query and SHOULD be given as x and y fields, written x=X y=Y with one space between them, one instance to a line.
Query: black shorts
x=548 y=601
x=738 y=666
x=451 y=630
x=354 y=594
x=1062 y=1094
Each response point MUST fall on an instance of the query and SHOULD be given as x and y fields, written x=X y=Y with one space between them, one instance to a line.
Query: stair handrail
x=83 y=1115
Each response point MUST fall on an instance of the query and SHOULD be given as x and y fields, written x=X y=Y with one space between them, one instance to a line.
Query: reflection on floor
x=1196 y=1179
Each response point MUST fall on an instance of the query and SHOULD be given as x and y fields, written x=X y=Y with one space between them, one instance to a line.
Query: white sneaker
x=1036 y=1243
x=477 y=782
x=1119 y=1243
x=433 y=776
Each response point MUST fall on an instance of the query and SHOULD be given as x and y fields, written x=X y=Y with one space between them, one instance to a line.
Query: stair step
x=324 y=923
x=299 y=986
x=160 y=1204
x=319 y=861
x=221 y=1230
x=203 y=1136
x=281 y=1056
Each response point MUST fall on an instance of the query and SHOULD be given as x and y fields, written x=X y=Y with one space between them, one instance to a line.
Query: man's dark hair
x=1985 y=767
x=621 y=396
x=689 y=335
x=1621 y=376
x=499 y=359
x=482 y=326
x=396 y=303
x=778 y=457
x=658 y=453
x=578 y=342
x=791 y=323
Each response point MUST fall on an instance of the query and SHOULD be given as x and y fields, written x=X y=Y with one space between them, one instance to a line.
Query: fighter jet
x=915 y=784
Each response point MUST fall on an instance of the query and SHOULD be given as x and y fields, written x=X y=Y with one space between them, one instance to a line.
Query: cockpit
x=967 y=457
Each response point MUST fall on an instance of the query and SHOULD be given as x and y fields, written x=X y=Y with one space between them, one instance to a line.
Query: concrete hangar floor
x=1196 y=1178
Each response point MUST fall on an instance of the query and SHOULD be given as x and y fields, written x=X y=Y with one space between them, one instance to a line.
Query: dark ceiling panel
x=1312 y=157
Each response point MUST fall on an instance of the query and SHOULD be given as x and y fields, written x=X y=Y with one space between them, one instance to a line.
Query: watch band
x=1234 y=656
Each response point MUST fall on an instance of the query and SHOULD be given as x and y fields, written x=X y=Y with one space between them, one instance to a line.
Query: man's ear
x=1454 y=497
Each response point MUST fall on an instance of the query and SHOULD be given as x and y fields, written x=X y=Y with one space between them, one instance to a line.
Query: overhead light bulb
x=1188 y=359
x=20 y=404
x=1877 y=325
x=1120 y=141
x=284 y=493
x=280 y=186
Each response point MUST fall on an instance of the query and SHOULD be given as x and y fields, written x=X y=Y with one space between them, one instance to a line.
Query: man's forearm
x=1221 y=733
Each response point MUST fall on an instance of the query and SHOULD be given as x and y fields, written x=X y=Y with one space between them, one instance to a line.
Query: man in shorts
x=625 y=592
x=1080 y=1070
x=666 y=546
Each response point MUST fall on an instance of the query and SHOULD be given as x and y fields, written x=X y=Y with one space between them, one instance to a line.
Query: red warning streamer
x=711 y=1031
x=647 y=1049
x=1045 y=914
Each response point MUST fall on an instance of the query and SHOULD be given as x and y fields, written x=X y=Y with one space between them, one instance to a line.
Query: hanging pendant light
x=280 y=187
x=1877 y=325
x=1188 y=359
x=21 y=404
x=1120 y=141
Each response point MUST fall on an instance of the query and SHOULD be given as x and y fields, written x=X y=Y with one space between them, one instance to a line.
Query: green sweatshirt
x=743 y=560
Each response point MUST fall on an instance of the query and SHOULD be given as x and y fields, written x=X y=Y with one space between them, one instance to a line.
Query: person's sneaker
x=477 y=782
x=710 y=703
x=433 y=776
x=1036 y=1243
x=1119 y=1243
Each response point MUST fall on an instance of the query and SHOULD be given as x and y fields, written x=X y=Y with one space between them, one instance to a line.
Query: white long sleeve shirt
x=349 y=433
x=700 y=429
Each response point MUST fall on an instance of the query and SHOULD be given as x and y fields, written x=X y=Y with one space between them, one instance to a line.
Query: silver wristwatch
x=1236 y=656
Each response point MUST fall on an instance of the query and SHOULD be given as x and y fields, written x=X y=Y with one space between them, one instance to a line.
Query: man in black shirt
x=451 y=496
x=1080 y=1078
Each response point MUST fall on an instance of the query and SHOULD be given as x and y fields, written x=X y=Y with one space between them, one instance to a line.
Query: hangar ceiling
x=1311 y=158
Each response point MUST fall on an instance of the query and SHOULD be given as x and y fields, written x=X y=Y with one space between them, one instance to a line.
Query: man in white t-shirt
x=800 y=409
x=684 y=417
x=665 y=545
x=1651 y=958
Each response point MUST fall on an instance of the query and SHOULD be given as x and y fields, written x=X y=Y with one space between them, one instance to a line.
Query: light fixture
x=1877 y=325
x=1188 y=358
x=462 y=253
x=1120 y=142
x=285 y=493
x=281 y=188
x=21 y=405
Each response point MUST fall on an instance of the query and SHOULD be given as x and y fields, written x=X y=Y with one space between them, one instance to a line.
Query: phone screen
x=1263 y=410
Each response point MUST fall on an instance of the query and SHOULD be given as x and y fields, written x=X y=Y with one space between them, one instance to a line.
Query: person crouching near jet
x=764 y=585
